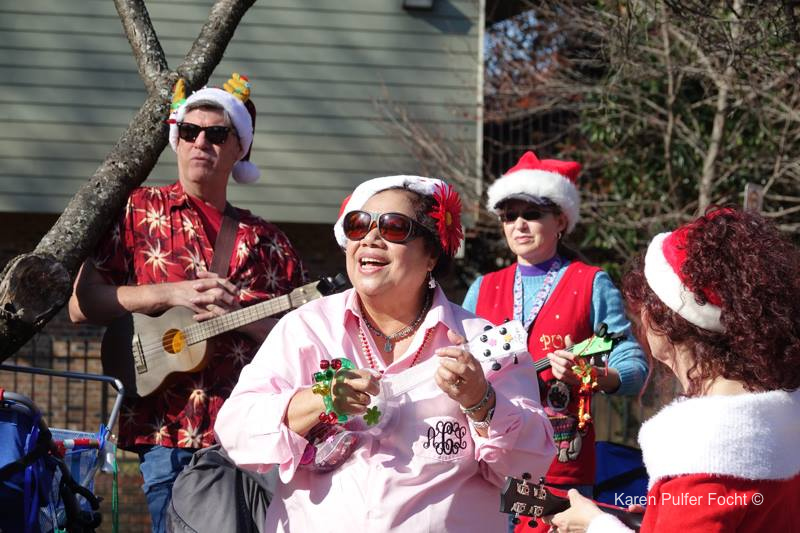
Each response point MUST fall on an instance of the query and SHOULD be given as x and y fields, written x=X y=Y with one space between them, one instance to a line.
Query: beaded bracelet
x=323 y=386
x=478 y=406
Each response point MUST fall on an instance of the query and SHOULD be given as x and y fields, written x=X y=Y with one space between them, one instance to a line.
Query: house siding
x=69 y=86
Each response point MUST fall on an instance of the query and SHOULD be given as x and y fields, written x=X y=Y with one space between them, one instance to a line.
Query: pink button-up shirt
x=428 y=470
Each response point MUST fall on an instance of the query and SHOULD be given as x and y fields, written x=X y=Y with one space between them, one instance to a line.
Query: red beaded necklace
x=368 y=353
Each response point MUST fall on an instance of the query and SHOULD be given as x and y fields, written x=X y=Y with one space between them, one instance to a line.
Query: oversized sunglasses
x=214 y=134
x=392 y=227
x=529 y=214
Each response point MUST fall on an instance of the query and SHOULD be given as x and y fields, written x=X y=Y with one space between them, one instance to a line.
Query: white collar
x=749 y=436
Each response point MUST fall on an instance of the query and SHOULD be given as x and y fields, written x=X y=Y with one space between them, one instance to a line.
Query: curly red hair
x=742 y=258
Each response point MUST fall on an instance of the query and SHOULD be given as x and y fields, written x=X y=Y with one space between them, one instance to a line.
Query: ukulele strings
x=195 y=333
x=543 y=364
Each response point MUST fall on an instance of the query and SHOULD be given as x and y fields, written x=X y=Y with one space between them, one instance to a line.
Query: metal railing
x=63 y=376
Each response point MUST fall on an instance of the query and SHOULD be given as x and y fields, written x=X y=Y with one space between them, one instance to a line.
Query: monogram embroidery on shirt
x=447 y=438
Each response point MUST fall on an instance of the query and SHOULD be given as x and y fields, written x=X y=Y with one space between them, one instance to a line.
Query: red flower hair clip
x=447 y=213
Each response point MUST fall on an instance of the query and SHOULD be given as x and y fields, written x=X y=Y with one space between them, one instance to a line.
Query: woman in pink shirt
x=437 y=457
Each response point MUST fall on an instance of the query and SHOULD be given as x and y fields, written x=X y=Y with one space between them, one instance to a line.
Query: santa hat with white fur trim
x=235 y=100
x=446 y=212
x=663 y=269
x=535 y=180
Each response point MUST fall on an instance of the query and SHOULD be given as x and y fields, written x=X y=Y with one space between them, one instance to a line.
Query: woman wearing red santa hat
x=437 y=463
x=560 y=299
x=718 y=302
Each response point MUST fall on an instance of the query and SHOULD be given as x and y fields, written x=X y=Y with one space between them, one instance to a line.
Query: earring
x=431 y=281
x=559 y=235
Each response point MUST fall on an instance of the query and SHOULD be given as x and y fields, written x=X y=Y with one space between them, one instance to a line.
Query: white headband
x=663 y=279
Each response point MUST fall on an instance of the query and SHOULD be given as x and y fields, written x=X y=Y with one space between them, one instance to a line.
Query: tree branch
x=668 y=131
x=718 y=128
x=147 y=51
x=207 y=50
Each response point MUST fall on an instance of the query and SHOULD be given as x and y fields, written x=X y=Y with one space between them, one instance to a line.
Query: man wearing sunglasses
x=561 y=300
x=166 y=251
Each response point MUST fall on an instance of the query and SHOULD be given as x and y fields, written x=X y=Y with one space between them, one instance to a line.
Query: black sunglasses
x=214 y=134
x=392 y=227
x=529 y=214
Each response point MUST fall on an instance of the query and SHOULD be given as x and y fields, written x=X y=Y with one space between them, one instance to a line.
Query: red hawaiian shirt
x=160 y=238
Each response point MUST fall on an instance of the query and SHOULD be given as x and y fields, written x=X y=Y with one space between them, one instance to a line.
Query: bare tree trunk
x=670 y=100
x=36 y=285
x=718 y=129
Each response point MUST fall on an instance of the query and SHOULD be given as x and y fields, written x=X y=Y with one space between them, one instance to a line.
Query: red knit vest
x=564 y=319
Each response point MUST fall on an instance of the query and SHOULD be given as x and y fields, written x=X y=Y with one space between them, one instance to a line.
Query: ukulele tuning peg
x=487 y=353
x=516 y=362
x=495 y=366
x=487 y=327
x=532 y=522
x=601 y=330
x=515 y=520
x=502 y=331
x=506 y=320
x=541 y=480
x=484 y=338
x=526 y=476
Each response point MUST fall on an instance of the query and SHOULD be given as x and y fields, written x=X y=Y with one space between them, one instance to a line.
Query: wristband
x=483 y=424
x=478 y=406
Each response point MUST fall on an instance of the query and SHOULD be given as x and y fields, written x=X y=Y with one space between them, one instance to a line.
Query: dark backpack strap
x=226 y=237
x=624 y=478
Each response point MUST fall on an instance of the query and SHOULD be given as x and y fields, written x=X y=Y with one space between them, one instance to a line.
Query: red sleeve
x=697 y=503
x=112 y=257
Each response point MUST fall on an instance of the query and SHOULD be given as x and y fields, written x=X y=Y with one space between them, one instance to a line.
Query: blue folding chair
x=47 y=475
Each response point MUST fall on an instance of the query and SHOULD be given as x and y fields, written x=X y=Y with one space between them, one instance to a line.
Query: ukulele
x=597 y=347
x=334 y=443
x=520 y=497
x=144 y=351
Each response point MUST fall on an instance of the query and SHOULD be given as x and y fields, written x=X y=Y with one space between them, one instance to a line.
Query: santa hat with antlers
x=235 y=100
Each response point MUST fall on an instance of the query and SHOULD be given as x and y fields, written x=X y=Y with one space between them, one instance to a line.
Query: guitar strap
x=225 y=239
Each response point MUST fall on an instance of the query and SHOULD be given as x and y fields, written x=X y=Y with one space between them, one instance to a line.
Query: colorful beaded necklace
x=541 y=295
x=368 y=353
x=406 y=331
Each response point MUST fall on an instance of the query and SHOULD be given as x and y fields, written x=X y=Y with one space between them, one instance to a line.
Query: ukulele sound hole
x=173 y=341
